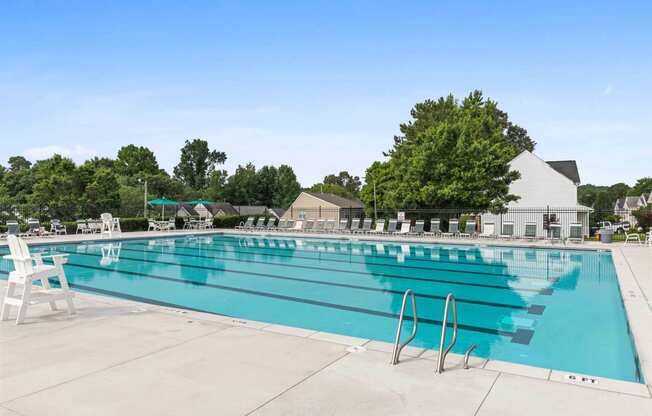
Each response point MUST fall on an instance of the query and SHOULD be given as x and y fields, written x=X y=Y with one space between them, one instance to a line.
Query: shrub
x=643 y=216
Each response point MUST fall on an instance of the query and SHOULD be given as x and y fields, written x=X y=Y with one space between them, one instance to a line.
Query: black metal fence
x=591 y=220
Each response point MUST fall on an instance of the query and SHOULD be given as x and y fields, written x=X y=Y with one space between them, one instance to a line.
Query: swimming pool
x=552 y=308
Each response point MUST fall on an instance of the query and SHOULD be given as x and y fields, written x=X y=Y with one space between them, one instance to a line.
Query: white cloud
x=608 y=90
x=77 y=152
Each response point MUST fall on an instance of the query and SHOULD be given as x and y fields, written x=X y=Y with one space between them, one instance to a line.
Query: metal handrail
x=467 y=354
x=442 y=353
x=399 y=347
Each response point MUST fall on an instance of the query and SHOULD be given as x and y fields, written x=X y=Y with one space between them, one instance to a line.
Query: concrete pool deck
x=122 y=357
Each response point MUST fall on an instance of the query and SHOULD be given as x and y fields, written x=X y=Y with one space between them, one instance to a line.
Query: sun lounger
x=530 y=231
x=405 y=228
x=418 y=228
x=308 y=226
x=329 y=227
x=435 y=224
x=366 y=226
x=319 y=226
x=554 y=232
x=469 y=229
x=282 y=224
x=341 y=226
x=507 y=231
x=575 y=233
x=453 y=228
x=260 y=224
x=271 y=224
x=56 y=227
x=391 y=226
x=380 y=227
x=489 y=230
x=632 y=238
x=355 y=225
x=247 y=225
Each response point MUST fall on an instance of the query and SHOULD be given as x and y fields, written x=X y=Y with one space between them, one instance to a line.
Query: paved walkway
x=118 y=357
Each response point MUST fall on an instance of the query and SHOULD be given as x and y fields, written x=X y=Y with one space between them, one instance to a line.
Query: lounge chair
x=319 y=226
x=260 y=224
x=418 y=228
x=469 y=229
x=94 y=226
x=435 y=227
x=56 y=227
x=366 y=226
x=530 y=231
x=297 y=226
x=82 y=227
x=329 y=227
x=507 y=231
x=489 y=230
x=271 y=224
x=648 y=238
x=308 y=226
x=355 y=225
x=391 y=226
x=380 y=227
x=152 y=225
x=632 y=238
x=290 y=225
x=453 y=228
x=34 y=227
x=575 y=233
x=554 y=232
x=405 y=228
x=27 y=269
x=12 y=228
x=341 y=225
x=282 y=224
x=245 y=225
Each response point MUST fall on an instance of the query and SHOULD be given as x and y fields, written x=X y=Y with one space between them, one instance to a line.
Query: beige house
x=315 y=205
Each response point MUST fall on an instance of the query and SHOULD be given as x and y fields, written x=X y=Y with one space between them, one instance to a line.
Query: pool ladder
x=398 y=346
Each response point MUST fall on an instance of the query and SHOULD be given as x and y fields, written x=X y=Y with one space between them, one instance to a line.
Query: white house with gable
x=548 y=194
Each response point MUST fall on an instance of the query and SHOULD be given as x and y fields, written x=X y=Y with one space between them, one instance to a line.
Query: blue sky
x=321 y=86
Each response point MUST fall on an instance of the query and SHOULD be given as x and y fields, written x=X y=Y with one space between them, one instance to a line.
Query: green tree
x=344 y=179
x=217 y=185
x=240 y=188
x=18 y=180
x=451 y=155
x=197 y=163
x=56 y=187
x=266 y=185
x=102 y=194
x=618 y=190
x=587 y=194
x=643 y=217
x=332 y=188
x=133 y=160
x=643 y=185
x=288 y=188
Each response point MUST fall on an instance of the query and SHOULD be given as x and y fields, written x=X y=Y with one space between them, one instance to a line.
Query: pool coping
x=636 y=307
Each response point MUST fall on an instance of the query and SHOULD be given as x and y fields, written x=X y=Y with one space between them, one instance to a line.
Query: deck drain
x=581 y=379
x=356 y=348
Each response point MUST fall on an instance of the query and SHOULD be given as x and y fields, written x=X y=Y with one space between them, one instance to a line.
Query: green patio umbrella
x=200 y=201
x=163 y=202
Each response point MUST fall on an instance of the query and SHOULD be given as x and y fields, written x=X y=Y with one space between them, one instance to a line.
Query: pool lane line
x=533 y=309
x=243 y=260
x=401 y=266
x=546 y=291
x=340 y=242
x=370 y=245
x=518 y=336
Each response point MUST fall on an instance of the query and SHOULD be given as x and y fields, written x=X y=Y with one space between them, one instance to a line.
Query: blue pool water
x=552 y=308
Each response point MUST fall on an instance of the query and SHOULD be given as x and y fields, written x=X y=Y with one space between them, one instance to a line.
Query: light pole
x=144 y=197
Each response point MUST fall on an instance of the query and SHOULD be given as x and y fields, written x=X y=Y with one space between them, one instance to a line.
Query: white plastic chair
x=30 y=268
x=632 y=238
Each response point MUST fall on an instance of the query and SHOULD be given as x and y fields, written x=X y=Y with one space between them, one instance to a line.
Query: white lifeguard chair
x=28 y=269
